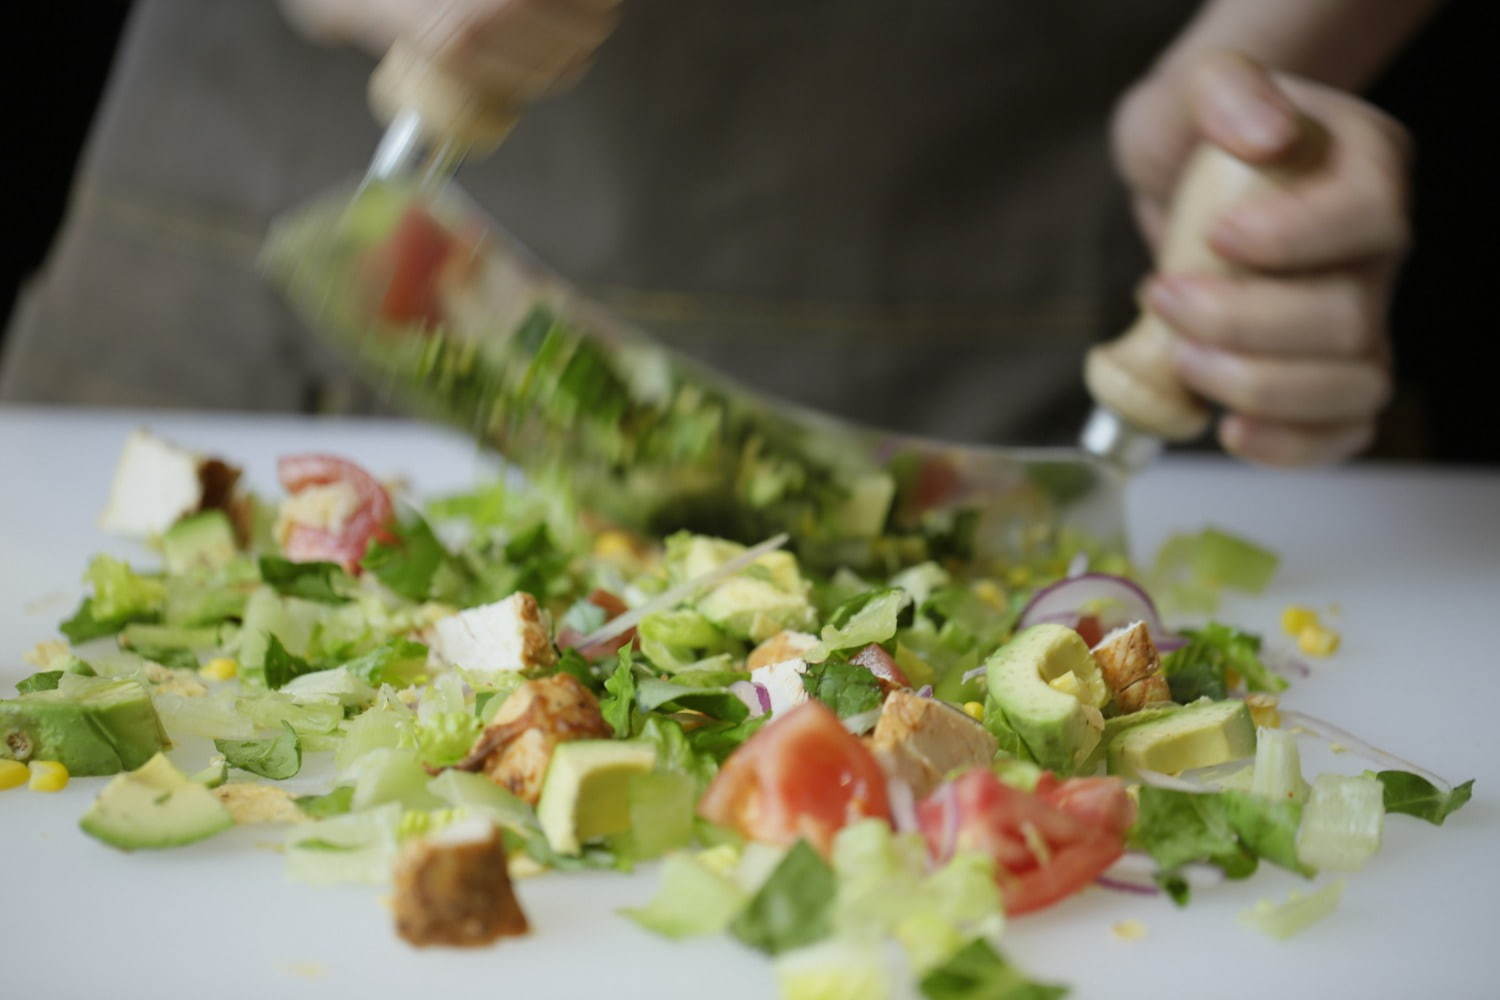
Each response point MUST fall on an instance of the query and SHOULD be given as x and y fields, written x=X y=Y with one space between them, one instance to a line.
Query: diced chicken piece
x=507 y=636
x=921 y=740
x=156 y=483
x=253 y=802
x=782 y=683
x=784 y=645
x=453 y=888
x=1131 y=667
x=516 y=747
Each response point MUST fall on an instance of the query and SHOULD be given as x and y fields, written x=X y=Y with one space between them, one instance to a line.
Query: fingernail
x=1258 y=122
x=1171 y=298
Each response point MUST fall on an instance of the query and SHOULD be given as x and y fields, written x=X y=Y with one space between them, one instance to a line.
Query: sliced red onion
x=877 y=661
x=1078 y=565
x=1120 y=886
x=1285 y=663
x=673 y=596
x=903 y=805
x=972 y=675
x=947 y=800
x=925 y=691
x=1123 y=602
x=863 y=722
x=753 y=695
x=1368 y=751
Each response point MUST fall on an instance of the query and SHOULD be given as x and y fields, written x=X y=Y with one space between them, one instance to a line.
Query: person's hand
x=1294 y=344
x=506 y=51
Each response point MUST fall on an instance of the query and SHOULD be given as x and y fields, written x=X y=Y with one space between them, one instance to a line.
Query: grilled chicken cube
x=516 y=747
x=921 y=740
x=1131 y=667
x=453 y=888
x=784 y=645
x=156 y=483
x=507 y=636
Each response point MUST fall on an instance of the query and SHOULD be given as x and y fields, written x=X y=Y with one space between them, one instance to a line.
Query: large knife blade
x=488 y=338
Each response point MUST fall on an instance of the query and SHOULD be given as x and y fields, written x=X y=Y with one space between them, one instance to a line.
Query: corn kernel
x=13 y=774
x=1315 y=640
x=615 y=546
x=974 y=710
x=48 y=776
x=990 y=594
x=220 y=668
x=1298 y=617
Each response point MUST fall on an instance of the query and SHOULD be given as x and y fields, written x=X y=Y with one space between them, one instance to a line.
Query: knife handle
x=406 y=80
x=1133 y=375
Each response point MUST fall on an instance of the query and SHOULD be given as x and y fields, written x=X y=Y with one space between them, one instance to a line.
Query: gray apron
x=900 y=210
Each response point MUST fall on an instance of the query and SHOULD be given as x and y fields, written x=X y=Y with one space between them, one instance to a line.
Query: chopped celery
x=1278 y=767
x=836 y=969
x=693 y=900
x=357 y=847
x=1342 y=822
x=385 y=775
x=1282 y=920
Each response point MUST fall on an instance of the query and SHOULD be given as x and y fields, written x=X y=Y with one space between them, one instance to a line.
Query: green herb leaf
x=313 y=581
x=335 y=803
x=978 y=972
x=277 y=758
x=281 y=666
x=793 y=908
x=619 y=702
x=409 y=564
x=398 y=663
x=1413 y=795
x=847 y=688
x=45 y=680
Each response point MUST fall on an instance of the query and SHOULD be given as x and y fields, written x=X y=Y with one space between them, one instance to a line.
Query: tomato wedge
x=803 y=775
x=1046 y=845
x=346 y=542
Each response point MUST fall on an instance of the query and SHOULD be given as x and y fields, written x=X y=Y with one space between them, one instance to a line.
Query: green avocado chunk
x=105 y=728
x=152 y=807
x=1198 y=735
x=586 y=792
x=202 y=541
x=1049 y=690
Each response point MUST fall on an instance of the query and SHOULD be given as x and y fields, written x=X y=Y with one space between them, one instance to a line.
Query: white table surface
x=1411 y=556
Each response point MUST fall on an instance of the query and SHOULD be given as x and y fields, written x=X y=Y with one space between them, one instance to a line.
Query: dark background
x=1443 y=88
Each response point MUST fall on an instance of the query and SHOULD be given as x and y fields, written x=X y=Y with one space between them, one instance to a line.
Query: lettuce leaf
x=978 y=972
x=1413 y=795
x=847 y=688
x=618 y=704
x=277 y=758
x=793 y=908
x=325 y=582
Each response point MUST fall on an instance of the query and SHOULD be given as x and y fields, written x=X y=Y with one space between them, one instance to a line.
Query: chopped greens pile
x=861 y=774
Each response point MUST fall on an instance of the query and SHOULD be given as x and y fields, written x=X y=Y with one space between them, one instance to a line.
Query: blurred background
x=1438 y=88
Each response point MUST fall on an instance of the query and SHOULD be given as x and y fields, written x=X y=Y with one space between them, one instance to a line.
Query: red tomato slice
x=346 y=544
x=803 y=775
x=1099 y=802
x=1090 y=629
x=1043 y=851
x=411 y=262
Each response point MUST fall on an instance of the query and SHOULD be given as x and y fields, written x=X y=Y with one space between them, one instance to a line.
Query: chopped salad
x=862 y=776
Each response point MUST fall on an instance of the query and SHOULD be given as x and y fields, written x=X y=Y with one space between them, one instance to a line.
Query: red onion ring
x=755 y=696
x=1119 y=886
x=1062 y=603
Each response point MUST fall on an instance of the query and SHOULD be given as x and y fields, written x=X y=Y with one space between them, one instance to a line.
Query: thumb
x=1236 y=105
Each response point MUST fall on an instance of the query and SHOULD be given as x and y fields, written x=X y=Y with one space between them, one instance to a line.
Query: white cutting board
x=1413 y=558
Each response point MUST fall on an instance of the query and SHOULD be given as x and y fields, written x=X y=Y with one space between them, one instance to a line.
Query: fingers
x=1238 y=106
x=1333 y=314
x=1287 y=444
x=1295 y=390
x=517 y=50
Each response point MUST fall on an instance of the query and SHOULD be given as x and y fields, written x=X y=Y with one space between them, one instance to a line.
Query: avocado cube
x=203 y=541
x=106 y=728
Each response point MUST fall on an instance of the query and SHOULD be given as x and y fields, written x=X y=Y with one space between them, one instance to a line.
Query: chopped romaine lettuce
x=277 y=758
x=794 y=908
x=1300 y=911
x=1413 y=795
